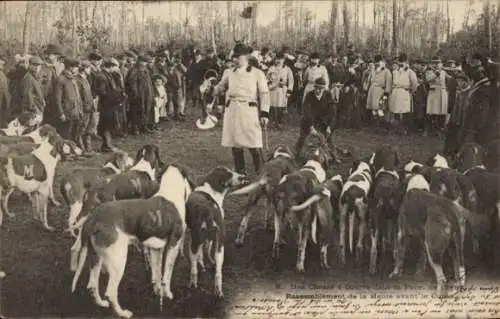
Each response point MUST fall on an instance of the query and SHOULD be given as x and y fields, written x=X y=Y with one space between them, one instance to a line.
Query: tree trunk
x=27 y=18
x=229 y=35
x=94 y=12
x=347 y=28
x=123 y=26
x=395 y=49
x=448 y=21
x=333 y=25
x=487 y=24
x=74 y=37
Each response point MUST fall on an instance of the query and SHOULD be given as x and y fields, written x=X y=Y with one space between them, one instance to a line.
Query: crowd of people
x=96 y=97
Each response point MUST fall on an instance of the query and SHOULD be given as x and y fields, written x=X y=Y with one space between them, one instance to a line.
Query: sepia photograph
x=250 y=159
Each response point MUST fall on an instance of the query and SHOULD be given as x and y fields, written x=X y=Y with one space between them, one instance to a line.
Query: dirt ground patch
x=36 y=262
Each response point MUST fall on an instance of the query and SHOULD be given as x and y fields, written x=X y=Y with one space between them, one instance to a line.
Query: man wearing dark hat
x=4 y=94
x=66 y=112
x=404 y=85
x=110 y=97
x=313 y=72
x=247 y=109
x=380 y=87
x=90 y=111
x=475 y=118
x=29 y=97
x=195 y=74
x=280 y=81
x=175 y=91
x=437 y=98
x=51 y=69
x=95 y=60
x=318 y=116
x=139 y=87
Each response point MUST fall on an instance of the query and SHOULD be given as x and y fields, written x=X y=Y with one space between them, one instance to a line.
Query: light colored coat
x=241 y=127
x=311 y=74
x=281 y=78
x=437 y=99
x=380 y=82
x=404 y=84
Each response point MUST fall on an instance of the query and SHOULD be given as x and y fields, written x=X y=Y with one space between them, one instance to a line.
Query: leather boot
x=87 y=143
x=257 y=158
x=239 y=160
x=106 y=145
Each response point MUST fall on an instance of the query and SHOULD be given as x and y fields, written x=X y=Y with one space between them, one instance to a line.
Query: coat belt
x=241 y=100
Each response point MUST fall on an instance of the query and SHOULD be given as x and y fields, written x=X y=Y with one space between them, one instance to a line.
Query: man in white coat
x=280 y=81
x=247 y=109
x=404 y=85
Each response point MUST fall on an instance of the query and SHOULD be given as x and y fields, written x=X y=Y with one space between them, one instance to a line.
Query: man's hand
x=62 y=118
x=264 y=121
x=328 y=130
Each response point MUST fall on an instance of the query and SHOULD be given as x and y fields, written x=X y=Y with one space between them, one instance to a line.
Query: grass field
x=37 y=262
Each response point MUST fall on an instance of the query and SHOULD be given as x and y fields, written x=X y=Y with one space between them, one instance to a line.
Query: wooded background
x=111 y=26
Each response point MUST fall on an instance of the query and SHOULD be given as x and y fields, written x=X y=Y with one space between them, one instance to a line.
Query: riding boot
x=239 y=160
x=257 y=158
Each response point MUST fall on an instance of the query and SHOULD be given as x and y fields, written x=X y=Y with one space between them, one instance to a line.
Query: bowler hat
x=314 y=56
x=53 y=49
x=240 y=49
x=403 y=58
x=320 y=82
x=70 y=62
x=35 y=61
x=94 y=56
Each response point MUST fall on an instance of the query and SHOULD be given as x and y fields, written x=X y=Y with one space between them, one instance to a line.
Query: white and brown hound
x=205 y=221
x=158 y=223
x=435 y=221
x=280 y=163
x=292 y=190
x=75 y=184
x=354 y=203
x=32 y=173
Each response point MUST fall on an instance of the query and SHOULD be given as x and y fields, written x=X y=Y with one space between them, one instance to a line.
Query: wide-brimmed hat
x=70 y=62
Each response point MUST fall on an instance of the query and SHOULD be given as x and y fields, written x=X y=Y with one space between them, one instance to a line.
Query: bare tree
x=27 y=17
x=347 y=29
x=333 y=25
x=395 y=49
x=487 y=24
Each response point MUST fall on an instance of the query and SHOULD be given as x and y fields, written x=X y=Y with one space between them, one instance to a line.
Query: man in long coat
x=314 y=71
x=49 y=71
x=29 y=97
x=4 y=95
x=110 y=96
x=67 y=109
x=247 y=109
x=139 y=88
x=404 y=85
x=280 y=81
x=380 y=81
x=437 y=98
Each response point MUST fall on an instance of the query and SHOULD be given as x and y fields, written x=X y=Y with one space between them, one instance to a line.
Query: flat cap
x=94 y=56
x=35 y=61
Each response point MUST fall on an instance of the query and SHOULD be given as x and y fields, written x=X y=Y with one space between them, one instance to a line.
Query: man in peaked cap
x=29 y=96
x=66 y=111
x=247 y=104
x=50 y=69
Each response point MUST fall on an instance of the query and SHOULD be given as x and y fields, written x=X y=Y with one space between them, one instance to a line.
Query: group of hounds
x=144 y=202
